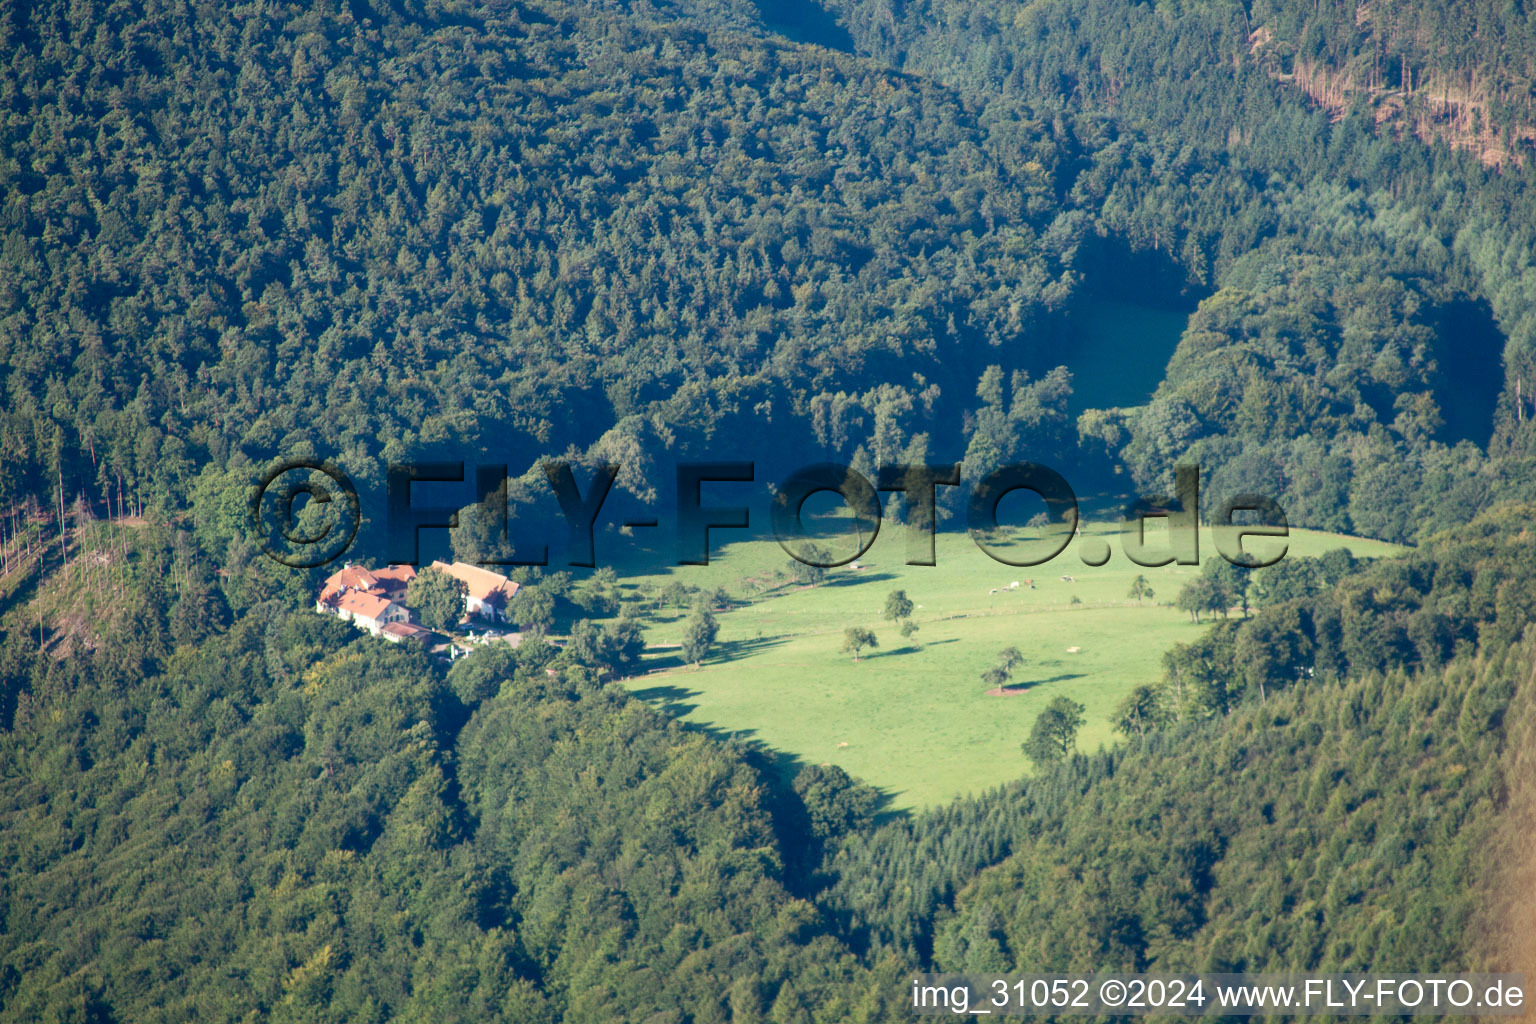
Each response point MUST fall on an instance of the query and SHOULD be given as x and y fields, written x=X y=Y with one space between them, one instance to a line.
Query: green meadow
x=913 y=717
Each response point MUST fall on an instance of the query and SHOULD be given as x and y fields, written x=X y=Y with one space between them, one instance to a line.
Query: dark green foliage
x=364 y=835
x=699 y=635
x=533 y=608
x=595 y=232
x=1232 y=583
x=303 y=801
x=1008 y=659
x=600 y=595
x=1142 y=709
x=1219 y=586
x=532 y=228
x=1292 y=579
x=1375 y=789
x=479 y=676
x=1306 y=833
x=436 y=598
x=856 y=638
x=681 y=845
x=897 y=606
x=1204 y=594
x=1054 y=733
x=677 y=594
x=611 y=649
x=805 y=572
x=1364 y=333
x=835 y=803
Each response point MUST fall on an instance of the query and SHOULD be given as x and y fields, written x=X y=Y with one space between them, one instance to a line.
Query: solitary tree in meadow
x=1008 y=659
x=699 y=635
x=898 y=609
x=1141 y=589
x=856 y=638
x=812 y=574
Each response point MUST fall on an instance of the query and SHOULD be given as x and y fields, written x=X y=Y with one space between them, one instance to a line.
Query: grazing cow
x=1014 y=585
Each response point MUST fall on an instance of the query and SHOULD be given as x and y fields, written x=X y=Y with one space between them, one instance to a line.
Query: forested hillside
x=1228 y=169
x=1361 y=732
x=283 y=820
x=713 y=229
x=294 y=823
x=509 y=233
x=648 y=237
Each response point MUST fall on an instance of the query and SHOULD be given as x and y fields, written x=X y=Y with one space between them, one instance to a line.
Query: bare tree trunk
x=63 y=530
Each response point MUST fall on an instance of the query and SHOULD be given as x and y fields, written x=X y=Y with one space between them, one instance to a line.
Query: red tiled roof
x=361 y=605
x=483 y=585
x=353 y=577
x=386 y=582
x=396 y=573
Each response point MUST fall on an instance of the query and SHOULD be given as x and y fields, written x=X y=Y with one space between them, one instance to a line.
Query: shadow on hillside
x=724 y=652
x=730 y=650
x=669 y=700
x=1015 y=689
x=782 y=766
x=1471 y=357
x=778 y=766
x=908 y=648
x=804 y=21
x=861 y=576
x=20 y=589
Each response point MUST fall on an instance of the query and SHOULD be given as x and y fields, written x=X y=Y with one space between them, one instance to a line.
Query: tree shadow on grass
x=669 y=700
x=1014 y=689
x=908 y=648
x=723 y=654
x=730 y=650
x=850 y=579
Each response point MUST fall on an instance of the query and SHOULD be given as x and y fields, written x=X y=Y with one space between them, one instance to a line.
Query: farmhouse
x=368 y=611
x=486 y=593
x=389 y=582
x=370 y=598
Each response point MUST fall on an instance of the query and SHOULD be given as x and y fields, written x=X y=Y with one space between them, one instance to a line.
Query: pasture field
x=913 y=717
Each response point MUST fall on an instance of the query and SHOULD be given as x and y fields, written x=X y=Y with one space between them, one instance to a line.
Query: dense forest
x=648 y=238
x=283 y=818
x=664 y=230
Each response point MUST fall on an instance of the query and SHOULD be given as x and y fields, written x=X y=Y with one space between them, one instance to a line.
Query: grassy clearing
x=913 y=718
